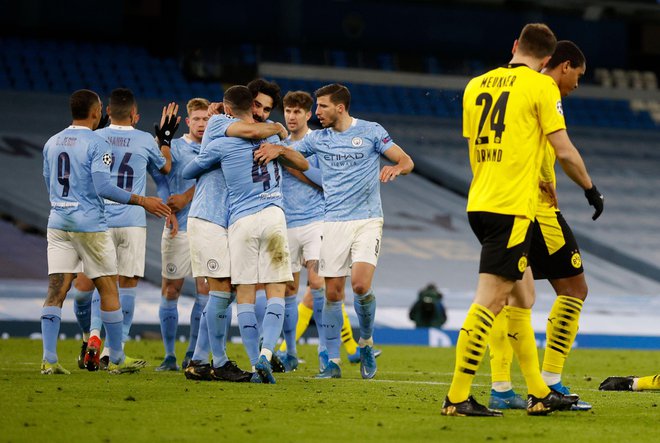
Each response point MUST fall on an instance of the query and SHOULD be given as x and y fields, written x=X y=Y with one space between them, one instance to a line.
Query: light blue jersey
x=133 y=152
x=303 y=204
x=210 y=200
x=70 y=158
x=252 y=187
x=216 y=127
x=183 y=151
x=350 y=166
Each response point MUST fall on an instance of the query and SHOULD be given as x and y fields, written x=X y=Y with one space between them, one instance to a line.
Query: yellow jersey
x=547 y=175
x=507 y=113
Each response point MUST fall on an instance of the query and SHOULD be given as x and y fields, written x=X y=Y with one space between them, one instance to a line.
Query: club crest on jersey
x=107 y=159
x=171 y=268
x=522 y=264
x=560 y=108
x=356 y=142
x=576 y=260
x=212 y=265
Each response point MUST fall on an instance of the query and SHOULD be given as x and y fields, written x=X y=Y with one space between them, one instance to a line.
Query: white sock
x=336 y=361
x=95 y=333
x=502 y=386
x=368 y=342
x=267 y=352
x=551 y=378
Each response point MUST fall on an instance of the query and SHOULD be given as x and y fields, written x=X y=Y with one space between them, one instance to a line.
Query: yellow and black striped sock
x=523 y=342
x=560 y=332
x=650 y=382
x=350 y=345
x=304 y=317
x=470 y=350
x=501 y=352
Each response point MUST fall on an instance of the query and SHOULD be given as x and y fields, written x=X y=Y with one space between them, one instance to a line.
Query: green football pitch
x=401 y=404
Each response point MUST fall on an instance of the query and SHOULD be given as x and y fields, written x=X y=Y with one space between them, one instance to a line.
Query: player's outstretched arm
x=571 y=162
x=284 y=154
x=256 y=131
x=404 y=164
x=106 y=189
x=176 y=202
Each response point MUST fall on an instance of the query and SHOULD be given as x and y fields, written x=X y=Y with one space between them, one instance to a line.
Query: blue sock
x=127 y=301
x=247 y=323
x=365 y=308
x=216 y=312
x=290 y=322
x=202 y=347
x=112 y=321
x=168 y=313
x=273 y=321
x=319 y=300
x=95 y=321
x=195 y=316
x=333 y=321
x=260 y=311
x=51 y=316
x=82 y=307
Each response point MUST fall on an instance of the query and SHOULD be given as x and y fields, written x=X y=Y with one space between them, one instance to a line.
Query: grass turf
x=401 y=404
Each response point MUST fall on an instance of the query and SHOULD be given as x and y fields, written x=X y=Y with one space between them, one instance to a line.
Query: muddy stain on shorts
x=277 y=249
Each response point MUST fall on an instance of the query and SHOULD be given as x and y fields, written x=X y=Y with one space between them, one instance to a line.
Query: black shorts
x=554 y=252
x=505 y=242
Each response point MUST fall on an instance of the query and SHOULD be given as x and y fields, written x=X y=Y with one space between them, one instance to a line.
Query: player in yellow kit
x=509 y=114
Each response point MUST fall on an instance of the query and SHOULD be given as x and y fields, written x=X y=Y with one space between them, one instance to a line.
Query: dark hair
x=81 y=103
x=339 y=94
x=537 y=40
x=566 y=51
x=271 y=89
x=298 y=99
x=121 y=103
x=239 y=98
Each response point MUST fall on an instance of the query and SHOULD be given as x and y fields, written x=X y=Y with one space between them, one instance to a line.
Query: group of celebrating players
x=247 y=205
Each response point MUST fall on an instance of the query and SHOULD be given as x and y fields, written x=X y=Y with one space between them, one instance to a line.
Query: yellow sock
x=347 y=333
x=304 y=317
x=470 y=350
x=521 y=337
x=501 y=352
x=651 y=382
x=560 y=332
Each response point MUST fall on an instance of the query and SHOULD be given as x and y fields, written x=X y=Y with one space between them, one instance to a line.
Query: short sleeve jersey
x=303 y=204
x=183 y=151
x=350 y=167
x=133 y=151
x=252 y=187
x=70 y=158
x=507 y=114
x=210 y=201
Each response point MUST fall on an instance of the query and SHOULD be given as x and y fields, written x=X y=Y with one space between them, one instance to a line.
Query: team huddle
x=246 y=206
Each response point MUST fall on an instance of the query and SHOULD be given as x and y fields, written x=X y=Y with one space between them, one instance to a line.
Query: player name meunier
x=498 y=82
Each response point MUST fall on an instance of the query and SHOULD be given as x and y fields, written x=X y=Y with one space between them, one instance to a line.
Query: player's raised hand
x=267 y=152
x=596 y=200
x=389 y=173
x=169 y=123
x=283 y=132
x=155 y=206
x=172 y=223
x=215 y=108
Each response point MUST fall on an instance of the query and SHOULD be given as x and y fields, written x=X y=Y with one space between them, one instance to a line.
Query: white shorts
x=304 y=244
x=131 y=245
x=175 y=255
x=259 y=248
x=73 y=252
x=348 y=242
x=209 y=249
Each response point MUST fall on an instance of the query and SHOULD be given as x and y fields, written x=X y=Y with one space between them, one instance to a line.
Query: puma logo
x=513 y=336
x=48 y=317
x=467 y=331
x=276 y=315
x=254 y=326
